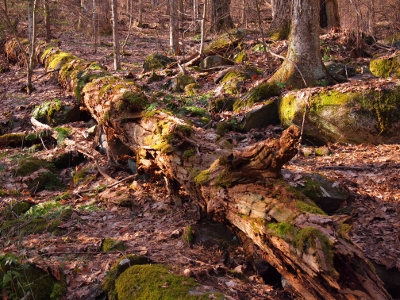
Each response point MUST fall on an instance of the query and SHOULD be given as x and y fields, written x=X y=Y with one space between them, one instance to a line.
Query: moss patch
x=261 y=92
x=386 y=66
x=145 y=282
x=156 y=61
x=28 y=165
x=110 y=244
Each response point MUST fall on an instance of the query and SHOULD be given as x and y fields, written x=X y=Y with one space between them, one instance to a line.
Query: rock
x=339 y=72
x=225 y=41
x=222 y=104
x=233 y=81
x=322 y=151
x=192 y=89
x=55 y=112
x=215 y=61
x=156 y=61
x=386 y=66
x=261 y=92
x=180 y=82
x=323 y=192
x=187 y=273
x=345 y=114
x=262 y=116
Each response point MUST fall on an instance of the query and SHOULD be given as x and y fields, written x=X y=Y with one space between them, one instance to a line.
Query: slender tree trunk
x=95 y=25
x=174 y=27
x=47 y=20
x=221 y=16
x=195 y=16
x=154 y=3
x=280 y=25
x=140 y=18
x=117 y=61
x=202 y=27
x=244 y=14
x=304 y=60
x=5 y=7
x=32 y=45
x=329 y=14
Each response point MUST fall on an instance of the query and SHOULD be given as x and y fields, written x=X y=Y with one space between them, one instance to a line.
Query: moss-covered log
x=240 y=187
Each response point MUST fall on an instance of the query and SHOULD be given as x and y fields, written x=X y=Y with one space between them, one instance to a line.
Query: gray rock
x=340 y=72
x=215 y=61
x=262 y=116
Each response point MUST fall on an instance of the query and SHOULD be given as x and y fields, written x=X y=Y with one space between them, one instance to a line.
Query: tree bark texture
x=280 y=25
x=221 y=16
x=240 y=187
x=117 y=60
x=174 y=27
x=304 y=60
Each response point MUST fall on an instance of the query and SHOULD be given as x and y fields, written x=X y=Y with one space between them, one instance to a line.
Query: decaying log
x=240 y=187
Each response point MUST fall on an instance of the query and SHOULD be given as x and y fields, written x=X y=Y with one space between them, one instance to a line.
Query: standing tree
x=46 y=7
x=174 y=27
x=117 y=62
x=32 y=7
x=220 y=15
x=303 y=65
x=280 y=25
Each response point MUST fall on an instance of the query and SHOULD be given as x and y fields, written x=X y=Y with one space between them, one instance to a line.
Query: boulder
x=261 y=116
x=225 y=42
x=339 y=72
x=215 y=61
x=386 y=66
x=345 y=113
x=156 y=61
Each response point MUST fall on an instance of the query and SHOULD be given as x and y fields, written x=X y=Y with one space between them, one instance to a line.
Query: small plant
x=62 y=134
x=259 y=48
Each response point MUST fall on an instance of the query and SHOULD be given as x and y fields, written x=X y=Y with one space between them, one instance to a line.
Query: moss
x=150 y=282
x=156 y=61
x=186 y=130
x=222 y=104
x=283 y=230
x=344 y=230
x=57 y=59
x=192 y=89
x=386 y=66
x=110 y=244
x=223 y=127
x=24 y=227
x=46 y=111
x=189 y=153
x=21 y=207
x=225 y=41
x=188 y=234
x=279 y=34
x=132 y=102
x=224 y=179
x=62 y=133
x=193 y=111
x=241 y=57
x=83 y=78
x=257 y=94
x=202 y=178
x=180 y=82
x=117 y=269
x=28 y=165
x=305 y=207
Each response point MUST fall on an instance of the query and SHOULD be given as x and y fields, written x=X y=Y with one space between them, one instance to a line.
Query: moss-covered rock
x=26 y=281
x=156 y=61
x=323 y=192
x=117 y=269
x=233 y=81
x=241 y=57
x=28 y=165
x=143 y=282
x=181 y=81
x=261 y=92
x=386 y=66
x=192 y=89
x=225 y=42
x=260 y=117
x=55 y=112
x=221 y=104
x=24 y=139
x=339 y=72
x=393 y=40
x=110 y=244
x=367 y=116
x=215 y=61
x=16 y=209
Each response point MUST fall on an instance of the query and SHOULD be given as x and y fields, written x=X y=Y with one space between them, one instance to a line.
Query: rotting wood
x=240 y=187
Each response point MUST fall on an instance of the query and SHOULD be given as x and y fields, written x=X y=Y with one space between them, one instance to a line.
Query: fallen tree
x=240 y=187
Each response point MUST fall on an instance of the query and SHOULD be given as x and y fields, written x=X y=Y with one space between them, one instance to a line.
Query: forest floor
x=151 y=226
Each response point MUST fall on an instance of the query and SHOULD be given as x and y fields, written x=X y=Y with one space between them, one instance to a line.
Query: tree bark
x=117 y=60
x=303 y=65
x=240 y=187
x=280 y=25
x=221 y=16
x=32 y=45
x=174 y=27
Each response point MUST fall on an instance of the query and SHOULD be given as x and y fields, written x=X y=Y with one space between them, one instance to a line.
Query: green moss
x=62 y=133
x=344 y=230
x=224 y=179
x=156 y=61
x=189 y=153
x=188 y=234
x=281 y=34
x=223 y=127
x=56 y=60
x=257 y=94
x=110 y=244
x=117 y=269
x=46 y=111
x=28 y=165
x=202 y=178
x=186 y=130
x=222 y=104
x=386 y=66
x=283 y=230
x=241 y=57
x=83 y=78
x=305 y=207
x=151 y=282
x=81 y=176
x=132 y=102
x=24 y=227
x=225 y=41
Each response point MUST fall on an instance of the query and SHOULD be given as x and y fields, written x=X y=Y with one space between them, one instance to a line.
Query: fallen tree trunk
x=240 y=187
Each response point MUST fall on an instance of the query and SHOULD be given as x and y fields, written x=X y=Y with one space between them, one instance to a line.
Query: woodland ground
x=149 y=226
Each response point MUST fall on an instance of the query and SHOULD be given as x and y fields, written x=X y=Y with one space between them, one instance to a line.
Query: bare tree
x=117 y=61
x=220 y=15
x=32 y=7
x=95 y=25
x=303 y=65
x=47 y=19
x=174 y=27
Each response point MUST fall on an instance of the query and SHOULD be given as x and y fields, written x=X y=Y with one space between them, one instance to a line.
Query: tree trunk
x=32 y=6
x=221 y=16
x=303 y=66
x=329 y=14
x=240 y=187
x=140 y=18
x=47 y=20
x=174 y=27
x=95 y=25
x=117 y=60
x=280 y=25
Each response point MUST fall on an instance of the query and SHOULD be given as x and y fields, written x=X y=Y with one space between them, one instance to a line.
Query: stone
x=339 y=72
x=215 y=61
x=261 y=116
